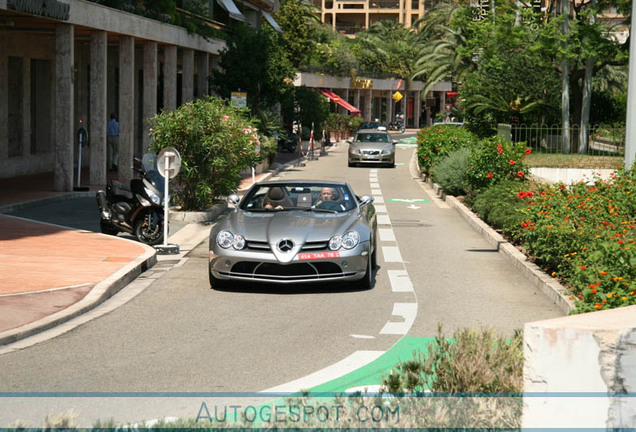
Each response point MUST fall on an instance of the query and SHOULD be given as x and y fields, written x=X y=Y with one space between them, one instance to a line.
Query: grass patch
x=557 y=160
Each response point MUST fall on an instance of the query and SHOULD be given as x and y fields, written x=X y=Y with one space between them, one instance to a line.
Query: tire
x=107 y=228
x=215 y=283
x=350 y=164
x=148 y=235
x=367 y=281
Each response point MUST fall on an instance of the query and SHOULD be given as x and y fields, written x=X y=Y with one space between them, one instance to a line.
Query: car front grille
x=371 y=152
x=262 y=246
x=287 y=272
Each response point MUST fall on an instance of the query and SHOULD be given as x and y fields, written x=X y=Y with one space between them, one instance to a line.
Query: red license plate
x=318 y=255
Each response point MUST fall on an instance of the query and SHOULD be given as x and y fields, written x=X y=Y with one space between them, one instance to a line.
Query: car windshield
x=373 y=137
x=314 y=197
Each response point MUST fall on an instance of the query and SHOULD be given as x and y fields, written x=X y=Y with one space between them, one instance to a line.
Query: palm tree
x=395 y=48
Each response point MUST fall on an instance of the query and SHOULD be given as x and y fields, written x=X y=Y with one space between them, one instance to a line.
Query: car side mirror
x=365 y=200
x=233 y=199
x=348 y=141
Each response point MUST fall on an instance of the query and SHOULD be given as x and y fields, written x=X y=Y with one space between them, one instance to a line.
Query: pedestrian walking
x=112 y=142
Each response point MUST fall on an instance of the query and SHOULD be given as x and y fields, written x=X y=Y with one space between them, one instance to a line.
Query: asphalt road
x=178 y=335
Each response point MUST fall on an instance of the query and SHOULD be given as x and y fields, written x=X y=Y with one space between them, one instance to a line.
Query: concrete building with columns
x=68 y=64
x=374 y=97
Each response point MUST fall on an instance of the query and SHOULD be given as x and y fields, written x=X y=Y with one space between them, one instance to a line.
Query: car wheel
x=350 y=164
x=215 y=283
x=367 y=281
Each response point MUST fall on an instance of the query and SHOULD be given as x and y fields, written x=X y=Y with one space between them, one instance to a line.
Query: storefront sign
x=46 y=8
x=361 y=83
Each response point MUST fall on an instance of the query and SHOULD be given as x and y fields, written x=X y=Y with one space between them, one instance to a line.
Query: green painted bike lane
x=372 y=373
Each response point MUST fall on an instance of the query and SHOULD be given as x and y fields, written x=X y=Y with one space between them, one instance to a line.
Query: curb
x=97 y=295
x=63 y=196
x=547 y=284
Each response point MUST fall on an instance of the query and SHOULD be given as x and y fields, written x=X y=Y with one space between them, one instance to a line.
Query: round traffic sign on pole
x=169 y=162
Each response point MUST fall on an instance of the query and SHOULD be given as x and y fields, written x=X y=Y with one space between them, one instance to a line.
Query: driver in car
x=326 y=200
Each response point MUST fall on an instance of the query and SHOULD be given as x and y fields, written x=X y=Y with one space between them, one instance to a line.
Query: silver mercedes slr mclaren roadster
x=286 y=232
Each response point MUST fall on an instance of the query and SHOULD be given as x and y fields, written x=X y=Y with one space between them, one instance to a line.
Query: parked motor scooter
x=136 y=209
x=397 y=125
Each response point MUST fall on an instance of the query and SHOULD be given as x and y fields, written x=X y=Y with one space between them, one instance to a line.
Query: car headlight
x=347 y=241
x=387 y=151
x=354 y=150
x=225 y=239
x=239 y=242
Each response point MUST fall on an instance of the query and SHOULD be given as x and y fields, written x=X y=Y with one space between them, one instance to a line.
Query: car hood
x=299 y=226
x=371 y=145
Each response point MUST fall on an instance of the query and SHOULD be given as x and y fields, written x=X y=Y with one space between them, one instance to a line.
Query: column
x=150 y=91
x=356 y=98
x=367 y=105
x=126 y=107
x=98 y=119
x=170 y=77
x=417 y=102
x=64 y=107
x=26 y=106
x=187 y=76
x=389 y=108
x=203 y=68
x=4 y=103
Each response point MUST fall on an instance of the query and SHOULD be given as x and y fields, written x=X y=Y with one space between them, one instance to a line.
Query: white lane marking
x=357 y=336
x=374 y=171
x=391 y=254
x=413 y=207
x=336 y=370
x=380 y=209
x=386 y=234
x=400 y=281
x=408 y=311
x=375 y=192
x=383 y=220
x=375 y=185
x=379 y=199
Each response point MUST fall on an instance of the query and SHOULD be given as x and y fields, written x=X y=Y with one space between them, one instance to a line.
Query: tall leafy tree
x=254 y=62
x=299 y=20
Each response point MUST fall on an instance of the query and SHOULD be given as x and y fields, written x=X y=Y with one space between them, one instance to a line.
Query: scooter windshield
x=149 y=163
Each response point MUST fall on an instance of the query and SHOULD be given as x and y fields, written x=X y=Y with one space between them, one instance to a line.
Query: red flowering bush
x=436 y=142
x=586 y=236
x=495 y=160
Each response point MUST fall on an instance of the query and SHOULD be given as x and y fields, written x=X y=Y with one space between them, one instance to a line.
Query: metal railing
x=601 y=139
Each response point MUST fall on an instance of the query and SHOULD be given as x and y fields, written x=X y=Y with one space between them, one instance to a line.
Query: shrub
x=472 y=361
x=435 y=142
x=500 y=205
x=586 y=235
x=215 y=141
x=451 y=172
x=495 y=160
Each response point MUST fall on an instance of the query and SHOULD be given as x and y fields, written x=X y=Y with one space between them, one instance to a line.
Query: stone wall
x=582 y=363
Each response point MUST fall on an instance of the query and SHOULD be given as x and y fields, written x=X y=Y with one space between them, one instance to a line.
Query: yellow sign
x=361 y=83
x=239 y=99
x=397 y=96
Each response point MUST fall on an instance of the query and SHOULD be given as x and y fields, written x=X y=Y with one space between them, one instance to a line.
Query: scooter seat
x=120 y=190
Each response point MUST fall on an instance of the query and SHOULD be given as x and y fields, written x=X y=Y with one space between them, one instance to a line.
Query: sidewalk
x=50 y=273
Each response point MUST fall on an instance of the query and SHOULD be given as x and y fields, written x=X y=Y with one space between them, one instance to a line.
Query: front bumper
x=264 y=267
x=378 y=159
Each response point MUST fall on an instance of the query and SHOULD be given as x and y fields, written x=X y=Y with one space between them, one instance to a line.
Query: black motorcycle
x=397 y=125
x=136 y=209
x=288 y=143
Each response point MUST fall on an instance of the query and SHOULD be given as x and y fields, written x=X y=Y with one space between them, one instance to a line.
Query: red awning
x=343 y=103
